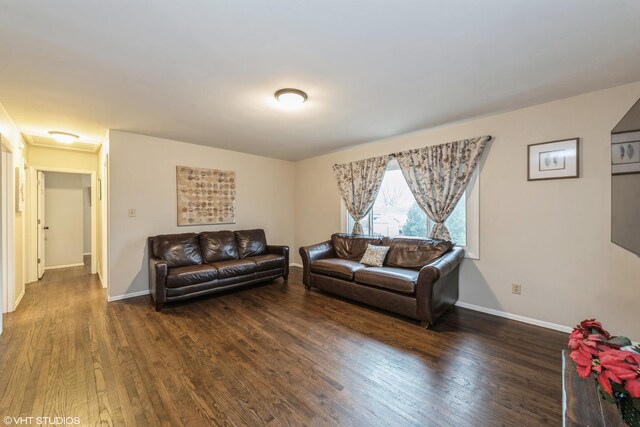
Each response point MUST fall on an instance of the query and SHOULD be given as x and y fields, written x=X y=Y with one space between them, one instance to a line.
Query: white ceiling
x=205 y=71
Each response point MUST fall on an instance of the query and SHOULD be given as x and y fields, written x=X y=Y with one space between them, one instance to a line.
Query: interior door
x=41 y=224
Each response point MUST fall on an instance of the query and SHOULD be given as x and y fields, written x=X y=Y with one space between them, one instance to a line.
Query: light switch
x=132 y=213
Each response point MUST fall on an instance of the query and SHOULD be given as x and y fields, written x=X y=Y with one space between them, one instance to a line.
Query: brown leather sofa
x=183 y=266
x=419 y=278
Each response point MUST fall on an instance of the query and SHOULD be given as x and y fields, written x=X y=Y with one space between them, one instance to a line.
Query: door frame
x=40 y=188
x=7 y=253
x=33 y=217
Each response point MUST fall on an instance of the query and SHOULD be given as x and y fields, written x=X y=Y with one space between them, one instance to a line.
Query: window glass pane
x=457 y=223
x=364 y=222
x=395 y=211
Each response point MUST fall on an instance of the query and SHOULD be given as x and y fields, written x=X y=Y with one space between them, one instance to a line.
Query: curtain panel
x=438 y=177
x=359 y=183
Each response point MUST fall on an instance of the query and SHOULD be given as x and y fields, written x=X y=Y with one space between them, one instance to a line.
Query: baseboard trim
x=516 y=317
x=87 y=254
x=55 y=267
x=127 y=296
x=15 y=305
x=104 y=285
x=295 y=264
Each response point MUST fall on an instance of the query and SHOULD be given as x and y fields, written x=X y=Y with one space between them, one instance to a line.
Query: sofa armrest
x=158 y=270
x=284 y=251
x=313 y=253
x=437 y=287
x=442 y=266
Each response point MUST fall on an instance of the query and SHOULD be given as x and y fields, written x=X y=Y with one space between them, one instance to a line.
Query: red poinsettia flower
x=585 y=362
x=588 y=344
x=622 y=367
x=633 y=387
x=604 y=379
x=591 y=326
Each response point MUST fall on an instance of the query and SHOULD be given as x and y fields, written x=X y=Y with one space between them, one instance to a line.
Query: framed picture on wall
x=553 y=160
x=205 y=196
x=20 y=183
x=625 y=153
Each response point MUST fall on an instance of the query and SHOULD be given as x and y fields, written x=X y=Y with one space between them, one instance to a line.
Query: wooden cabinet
x=581 y=402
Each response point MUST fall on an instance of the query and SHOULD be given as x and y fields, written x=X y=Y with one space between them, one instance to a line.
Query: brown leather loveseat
x=419 y=277
x=183 y=266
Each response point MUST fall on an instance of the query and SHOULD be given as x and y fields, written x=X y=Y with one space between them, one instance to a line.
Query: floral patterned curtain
x=359 y=183
x=438 y=177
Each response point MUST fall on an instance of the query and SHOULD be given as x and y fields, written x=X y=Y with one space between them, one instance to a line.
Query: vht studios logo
x=51 y=421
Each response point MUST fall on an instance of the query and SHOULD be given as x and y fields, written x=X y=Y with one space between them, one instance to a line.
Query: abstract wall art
x=205 y=196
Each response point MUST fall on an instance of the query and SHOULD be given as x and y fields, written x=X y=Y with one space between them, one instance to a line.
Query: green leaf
x=621 y=341
x=604 y=394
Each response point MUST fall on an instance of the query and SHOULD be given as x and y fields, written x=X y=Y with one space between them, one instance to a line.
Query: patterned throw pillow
x=374 y=255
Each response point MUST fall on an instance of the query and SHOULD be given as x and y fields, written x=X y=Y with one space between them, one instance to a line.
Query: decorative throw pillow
x=374 y=255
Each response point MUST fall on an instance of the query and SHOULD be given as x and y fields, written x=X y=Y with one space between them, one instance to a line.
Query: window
x=396 y=213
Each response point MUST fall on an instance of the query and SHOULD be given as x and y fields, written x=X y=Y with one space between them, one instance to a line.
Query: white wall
x=64 y=198
x=86 y=214
x=11 y=133
x=552 y=237
x=142 y=176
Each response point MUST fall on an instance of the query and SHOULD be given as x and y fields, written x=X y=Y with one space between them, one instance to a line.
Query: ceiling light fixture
x=290 y=99
x=63 y=137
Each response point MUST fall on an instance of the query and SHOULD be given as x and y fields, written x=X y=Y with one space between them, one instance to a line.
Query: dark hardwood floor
x=268 y=355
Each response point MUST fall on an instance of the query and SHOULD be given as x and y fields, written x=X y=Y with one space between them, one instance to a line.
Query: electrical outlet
x=132 y=213
x=516 y=289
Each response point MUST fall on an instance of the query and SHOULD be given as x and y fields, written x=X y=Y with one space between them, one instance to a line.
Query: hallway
x=45 y=350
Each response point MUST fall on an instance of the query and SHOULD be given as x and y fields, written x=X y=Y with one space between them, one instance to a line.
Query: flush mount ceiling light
x=64 y=137
x=290 y=99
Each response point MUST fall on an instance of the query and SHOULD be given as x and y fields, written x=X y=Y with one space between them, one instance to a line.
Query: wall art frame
x=553 y=160
x=205 y=196
x=625 y=153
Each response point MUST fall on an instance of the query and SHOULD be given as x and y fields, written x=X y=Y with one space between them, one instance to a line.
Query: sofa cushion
x=191 y=275
x=416 y=253
x=401 y=280
x=178 y=250
x=336 y=267
x=235 y=267
x=251 y=242
x=268 y=261
x=352 y=246
x=218 y=246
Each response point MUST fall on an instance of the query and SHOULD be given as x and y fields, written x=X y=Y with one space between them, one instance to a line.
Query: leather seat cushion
x=394 y=279
x=251 y=242
x=235 y=267
x=336 y=267
x=353 y=247
x=178 y=250
x=218 y=246
x=191 y=275
x=416 y=253
x=268 y=261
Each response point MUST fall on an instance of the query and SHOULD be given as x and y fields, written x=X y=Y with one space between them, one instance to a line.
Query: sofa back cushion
x=218 y=246
x=178 y=250
x=352 y=246
x=416 y=253
x=251 y=242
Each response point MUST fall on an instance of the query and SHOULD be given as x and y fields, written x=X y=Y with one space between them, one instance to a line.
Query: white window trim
x=472 y=249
